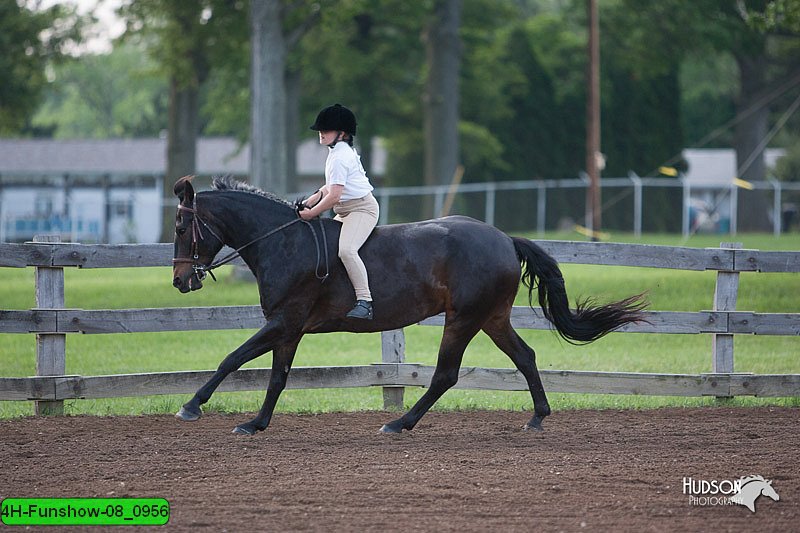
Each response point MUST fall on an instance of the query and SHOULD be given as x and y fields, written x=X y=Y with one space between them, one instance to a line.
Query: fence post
x=541 y=206
x=686 y=214
x=777 y=215
x=725 y=295
x=384 y=208
x=637 y=203
x=438 y=201
x=393 y=350
x=51 y=348
x=491 y=188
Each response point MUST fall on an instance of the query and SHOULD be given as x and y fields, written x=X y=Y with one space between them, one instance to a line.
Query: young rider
x=348 y=191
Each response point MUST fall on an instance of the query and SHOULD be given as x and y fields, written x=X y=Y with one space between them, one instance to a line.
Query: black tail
x=588 y=322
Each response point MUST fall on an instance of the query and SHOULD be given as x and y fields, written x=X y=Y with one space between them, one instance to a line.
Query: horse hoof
x=244 y=430
x=188 y=415
x=535 y=424
x=392 y=427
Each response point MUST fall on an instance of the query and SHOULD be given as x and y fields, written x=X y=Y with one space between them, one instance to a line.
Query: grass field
x=202 y=350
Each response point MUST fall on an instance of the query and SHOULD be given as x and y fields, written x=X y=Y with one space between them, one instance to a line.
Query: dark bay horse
x=457 y=265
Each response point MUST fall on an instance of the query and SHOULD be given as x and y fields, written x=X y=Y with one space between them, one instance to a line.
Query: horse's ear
x=183 y=189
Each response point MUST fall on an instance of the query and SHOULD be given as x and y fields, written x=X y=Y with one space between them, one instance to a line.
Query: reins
x=197 y=235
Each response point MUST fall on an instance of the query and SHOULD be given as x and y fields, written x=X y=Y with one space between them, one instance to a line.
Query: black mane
x=229 y=183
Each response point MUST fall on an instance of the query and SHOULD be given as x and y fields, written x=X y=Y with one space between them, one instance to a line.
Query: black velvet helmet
x=335 y=118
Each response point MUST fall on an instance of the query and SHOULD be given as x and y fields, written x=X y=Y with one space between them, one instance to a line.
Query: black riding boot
x=363 y=310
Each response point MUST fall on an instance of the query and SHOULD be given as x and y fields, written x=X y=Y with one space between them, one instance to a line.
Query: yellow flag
x=668 y=171
x=743 y=184
x=601 y=235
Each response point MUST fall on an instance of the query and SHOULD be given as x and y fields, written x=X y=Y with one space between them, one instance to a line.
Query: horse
x=455 y=265
x=750 y=488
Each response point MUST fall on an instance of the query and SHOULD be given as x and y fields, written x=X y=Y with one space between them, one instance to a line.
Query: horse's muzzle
x=192 y=282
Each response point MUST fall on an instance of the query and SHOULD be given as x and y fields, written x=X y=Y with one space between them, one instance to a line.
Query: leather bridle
x=200 y=270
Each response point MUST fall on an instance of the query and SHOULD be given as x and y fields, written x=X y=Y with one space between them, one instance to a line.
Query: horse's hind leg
x=523 y=356
x=457 y=334
x=282 y=357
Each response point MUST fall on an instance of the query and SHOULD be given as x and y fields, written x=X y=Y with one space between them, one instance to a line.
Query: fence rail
x=59 y=388
x=98 y=321
x=51 y=322
x=587 y=253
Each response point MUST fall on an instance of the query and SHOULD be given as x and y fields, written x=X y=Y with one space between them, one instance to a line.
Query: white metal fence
x=631 y=203
x=725 y=200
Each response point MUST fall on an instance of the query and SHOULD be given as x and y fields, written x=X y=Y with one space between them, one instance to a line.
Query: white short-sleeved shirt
x=343 y=167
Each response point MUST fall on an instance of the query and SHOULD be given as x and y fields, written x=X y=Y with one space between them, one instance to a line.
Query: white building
x=110 y=190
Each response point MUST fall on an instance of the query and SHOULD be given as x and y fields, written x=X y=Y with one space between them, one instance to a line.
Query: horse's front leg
x=263 y=341
x=282 y=357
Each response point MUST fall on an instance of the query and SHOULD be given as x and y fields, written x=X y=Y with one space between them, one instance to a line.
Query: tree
x=28 y=41
x=361 y=56
x=268 y=154
x=788 y=167
x=708 y=91
x=180 y=36
x=441 y=95
x=761 y=71
x=535 y=133
x=276 y=29
x=102 y=96
x=776 y=15
x=491 y=85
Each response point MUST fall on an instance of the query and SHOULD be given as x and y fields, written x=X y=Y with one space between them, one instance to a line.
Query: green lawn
x=202 y=350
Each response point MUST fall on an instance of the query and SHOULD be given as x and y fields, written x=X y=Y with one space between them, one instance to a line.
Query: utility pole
x=593 y=154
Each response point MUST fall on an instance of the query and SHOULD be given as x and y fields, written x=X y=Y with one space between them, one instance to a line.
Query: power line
x=752 y=157
x=779 y=124
x=749 y=110
x=768 y=137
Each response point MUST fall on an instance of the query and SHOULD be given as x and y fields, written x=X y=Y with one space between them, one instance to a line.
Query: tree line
x=495 y=86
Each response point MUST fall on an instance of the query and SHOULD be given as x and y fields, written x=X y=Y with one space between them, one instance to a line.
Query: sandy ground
x=457 y=471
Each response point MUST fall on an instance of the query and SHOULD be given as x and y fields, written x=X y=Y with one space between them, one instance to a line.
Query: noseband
x=200 y=270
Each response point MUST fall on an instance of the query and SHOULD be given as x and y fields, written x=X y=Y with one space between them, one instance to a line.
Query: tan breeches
x=358 y=218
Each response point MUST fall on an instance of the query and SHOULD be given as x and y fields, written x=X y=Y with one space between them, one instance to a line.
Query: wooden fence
x=51 y=323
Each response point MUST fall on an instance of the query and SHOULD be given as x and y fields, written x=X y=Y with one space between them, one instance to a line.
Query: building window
x=122 y=209
x=43 y=205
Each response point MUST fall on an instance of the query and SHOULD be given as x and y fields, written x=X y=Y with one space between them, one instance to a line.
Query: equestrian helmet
x=335 y=118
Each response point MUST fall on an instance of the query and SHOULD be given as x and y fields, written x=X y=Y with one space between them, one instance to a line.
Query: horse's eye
x=180 y=231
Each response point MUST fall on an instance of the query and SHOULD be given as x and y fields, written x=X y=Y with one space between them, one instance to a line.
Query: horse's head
x=750 y=488
x=767 y=490
x=196 y=243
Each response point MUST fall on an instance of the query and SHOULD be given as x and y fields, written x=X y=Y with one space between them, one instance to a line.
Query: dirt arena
x=462 y=471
